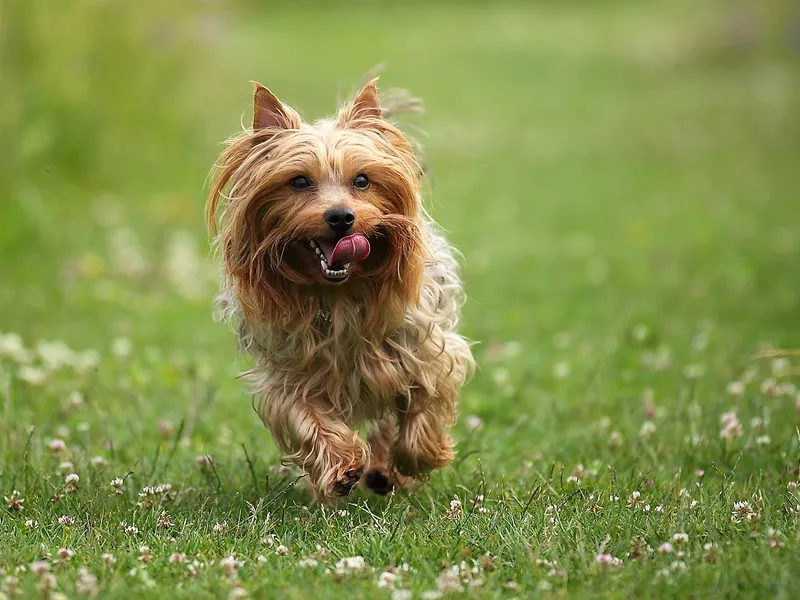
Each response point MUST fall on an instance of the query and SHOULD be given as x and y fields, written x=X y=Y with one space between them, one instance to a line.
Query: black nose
x=340 y=219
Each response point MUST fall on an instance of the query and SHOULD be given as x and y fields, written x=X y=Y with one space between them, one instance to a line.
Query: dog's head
x=329 y=210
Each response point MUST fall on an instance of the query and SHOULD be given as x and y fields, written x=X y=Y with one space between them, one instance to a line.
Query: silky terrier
x=343 y=290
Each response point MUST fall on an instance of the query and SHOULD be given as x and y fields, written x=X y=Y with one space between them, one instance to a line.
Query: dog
x=343 y=290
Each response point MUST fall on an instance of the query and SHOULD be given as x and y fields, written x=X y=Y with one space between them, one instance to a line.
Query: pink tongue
x=349 y=249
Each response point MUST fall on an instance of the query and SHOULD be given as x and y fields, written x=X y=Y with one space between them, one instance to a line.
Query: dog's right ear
x=269 y=112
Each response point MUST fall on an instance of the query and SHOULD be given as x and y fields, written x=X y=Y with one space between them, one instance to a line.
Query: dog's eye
x=361 y=182
x=300 y=183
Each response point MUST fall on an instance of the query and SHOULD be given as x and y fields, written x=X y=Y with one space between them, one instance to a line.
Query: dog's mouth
x=336 y=256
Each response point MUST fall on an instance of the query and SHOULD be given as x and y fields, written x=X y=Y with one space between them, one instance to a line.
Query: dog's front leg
x=318 y=441
x=424 y=441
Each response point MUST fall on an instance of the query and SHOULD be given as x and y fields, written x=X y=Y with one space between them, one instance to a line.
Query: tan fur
x=380 y=348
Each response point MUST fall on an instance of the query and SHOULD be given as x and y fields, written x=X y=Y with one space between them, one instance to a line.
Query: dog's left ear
x=365 y=106
x=269 y=112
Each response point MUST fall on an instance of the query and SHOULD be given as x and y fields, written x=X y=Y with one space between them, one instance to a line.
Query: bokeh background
x=614 y=172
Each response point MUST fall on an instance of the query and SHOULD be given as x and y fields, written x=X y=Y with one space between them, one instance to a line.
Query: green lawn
x=623 y=181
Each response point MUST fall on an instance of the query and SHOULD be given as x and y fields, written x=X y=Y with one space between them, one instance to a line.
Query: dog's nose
x=340 y=219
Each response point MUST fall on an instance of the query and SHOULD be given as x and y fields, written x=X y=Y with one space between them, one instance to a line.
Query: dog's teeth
x=323 y=264
x=318 y=251
x=313 y=243
x=346 y=266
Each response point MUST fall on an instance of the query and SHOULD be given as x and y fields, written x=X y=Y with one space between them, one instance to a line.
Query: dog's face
x=317 y=207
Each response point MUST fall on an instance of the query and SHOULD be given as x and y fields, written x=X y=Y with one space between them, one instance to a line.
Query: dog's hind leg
x=424 y=441
x=380 y=477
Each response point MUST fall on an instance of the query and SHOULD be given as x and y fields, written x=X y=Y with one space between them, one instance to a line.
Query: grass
x=622 y=181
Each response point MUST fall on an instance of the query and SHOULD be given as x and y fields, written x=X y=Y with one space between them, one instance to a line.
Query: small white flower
x=781 y=366
x=229 y=564
x=32 y=375
x=455 y=508
x=121 y=347
x=304 y=563
x=386 y=579
x=14 y=501
x=678 y=566
x=109 y=559
x=607 y=560
x=10 y=344
x=350 y=563
x=640 y=332
x=763 y=440
x=282 y=550
x=40 y=566
x=769 y=387
x=220 y=527
x=731 y=428
x=72 y=478
x=634 y=500
x=66 y=554
x=97 y=462
x=31 y=524
x=647 y=430
x=562 y=370
x=57 y=446
x=86 y=583
x=680 y=538
x=65 y=521
x=474 y=422
x=177 y=557
x=666 y=548
x=237 y=593
x=742 y=511
x=736 y=388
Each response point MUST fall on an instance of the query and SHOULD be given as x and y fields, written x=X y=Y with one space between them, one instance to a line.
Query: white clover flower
x=736 y=389
x=562 y=369
x=386 y=579
x=121 y=347
x=230 y=564
x=455 y=508
x=97 y=462
x=607 y=560
x=742 y=511
x=349 y=564
x=32 y=375
x=474 y=422
x=55 y=355
x=304 y=563
x=220 y=527
x=647 y=430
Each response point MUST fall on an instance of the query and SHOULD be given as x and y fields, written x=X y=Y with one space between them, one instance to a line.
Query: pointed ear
x=268 y=111
x=364 y=106
x=366 y=103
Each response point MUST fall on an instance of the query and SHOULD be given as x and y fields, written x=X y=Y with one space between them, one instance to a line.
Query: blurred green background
x=600 y=165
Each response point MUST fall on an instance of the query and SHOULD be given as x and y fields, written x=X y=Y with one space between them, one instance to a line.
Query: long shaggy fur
x=380 y=350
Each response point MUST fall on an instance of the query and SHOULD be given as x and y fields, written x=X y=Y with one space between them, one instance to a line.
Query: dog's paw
x=346 y=482
x=419 y=461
